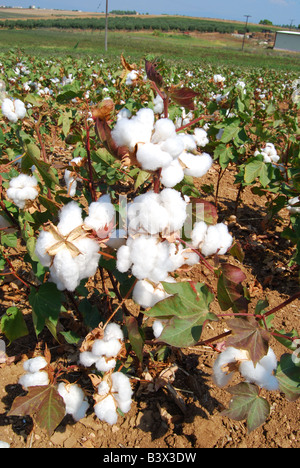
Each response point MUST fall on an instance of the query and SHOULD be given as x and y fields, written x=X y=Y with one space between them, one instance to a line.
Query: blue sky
x=278 y=11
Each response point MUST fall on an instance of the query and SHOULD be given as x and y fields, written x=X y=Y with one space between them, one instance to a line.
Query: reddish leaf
x=42 y=403
x=204 y=211
x=103 y=132
x=153 y=74
x=247 y=334
x=183 y=96
x=231 y=293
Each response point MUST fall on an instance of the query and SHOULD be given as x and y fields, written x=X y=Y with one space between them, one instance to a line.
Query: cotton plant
x=234 y=359
x=70 y=176
x=75 y=400
x=159 y=147
x=68 y=249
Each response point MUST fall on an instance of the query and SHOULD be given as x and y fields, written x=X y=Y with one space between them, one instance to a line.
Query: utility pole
x=106 y=24
x=247 y=16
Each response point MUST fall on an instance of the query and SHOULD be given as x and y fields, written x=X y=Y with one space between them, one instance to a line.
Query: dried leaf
x=104 y=111
x=153 y=74
x=166 y=376
x=129 y=67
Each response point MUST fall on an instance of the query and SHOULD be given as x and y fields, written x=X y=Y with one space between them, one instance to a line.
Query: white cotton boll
x=88 y=259
x=22 y=188
x=44 y=241
x=124 y=261
x=157 y=328
x=230 y=355
x=146 y=117
x=87 y=358
x=35 y=364
x=74 y=399
x=153 y=217
x=70 y=217
x=172 y=174
x=124 y=405
x=64 y=271
x=261 y=373
x=113 y=331
x=104 y=365
x=33 y=379
x=105 y=410
x=101 y=214
x=146 y=295
x=176 y=206
x=131 y=77
x=71 y=183
x=103 y=388
x=121 y=386
x=217 y=240
x=152 y=157
x=108 y=348
x=163 y=129
x=13 y=110
x=158 y=105
x=196 y=166
x=188 y=141
x=198 y=233
x=200 y=137
x=20 y=109
x=173 y=145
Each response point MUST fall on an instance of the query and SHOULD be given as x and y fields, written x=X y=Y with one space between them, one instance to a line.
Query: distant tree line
x=130 y=23
x=123 y=12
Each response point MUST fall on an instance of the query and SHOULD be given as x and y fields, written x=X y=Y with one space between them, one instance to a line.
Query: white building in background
x=287 y=40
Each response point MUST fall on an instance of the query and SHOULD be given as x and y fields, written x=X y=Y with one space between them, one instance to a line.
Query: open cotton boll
x=157 y=328
x=196 y=165
x=147 y=295
x=109 y=348
x=13 y=110
x=122 y=391
x=173 y=145
x=172 y=174
x=113 y=331
x=70 y=217
x=35 y=364
x=200 y=137
x=87 y=358
x=74 y=399
x=152 y=157
x=101 y=214
x=71 y=182
x=158 y=105
x=124 y=261
x=106 y=410
x=22 y=188
x=221 y=374
x=33 y=379
x=261 y=373
x=176 y=206
x=198 y=233
x=163 y=129
x=104 y=364
x=146 y=117
x=217 y=240
x=188 y=141
x=131 y=77
x=124 y=114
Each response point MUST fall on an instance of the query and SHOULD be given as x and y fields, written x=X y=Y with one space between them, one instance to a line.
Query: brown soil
x=190 y=416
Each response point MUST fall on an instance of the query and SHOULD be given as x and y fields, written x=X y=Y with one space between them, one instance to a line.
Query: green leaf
x=135 y=337
x=44 y=404
x=46 y=304
x=288 y=375
x=257 y=169
x=32 y=158
x=247 y=404
x=185 y=311
x=13 y=324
